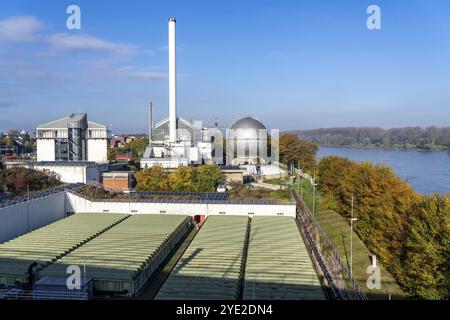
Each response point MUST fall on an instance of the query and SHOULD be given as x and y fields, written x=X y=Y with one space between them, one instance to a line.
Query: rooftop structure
x=72 y=138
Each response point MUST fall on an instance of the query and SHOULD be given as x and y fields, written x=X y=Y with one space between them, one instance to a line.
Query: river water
x=426 y=172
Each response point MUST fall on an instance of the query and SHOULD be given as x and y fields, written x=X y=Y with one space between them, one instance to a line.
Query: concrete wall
x=67 y=174
x=28 y=216
x=70 y=174
x=78 y=204
x=97 y=150
x=45 y=150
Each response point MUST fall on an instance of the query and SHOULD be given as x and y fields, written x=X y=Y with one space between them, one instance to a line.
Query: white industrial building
x=72 y=148
x=178 y=142
x=174 y=141
x=72 y=138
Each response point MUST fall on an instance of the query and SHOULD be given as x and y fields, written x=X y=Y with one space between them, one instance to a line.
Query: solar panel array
x=212 y=265
x=47 y=244
x=230 y=168
x=278 y=263
x=210 y=196
x=64 y=163
x=39 y=194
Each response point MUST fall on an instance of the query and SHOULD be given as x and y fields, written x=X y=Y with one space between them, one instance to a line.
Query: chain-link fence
x=336 y=277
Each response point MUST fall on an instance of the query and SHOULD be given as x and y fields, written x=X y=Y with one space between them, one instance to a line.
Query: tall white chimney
x=172 y=81
x=150 y=123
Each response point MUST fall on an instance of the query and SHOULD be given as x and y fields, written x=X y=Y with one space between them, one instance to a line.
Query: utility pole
x=351 y=245
x=314 y=194
x=351 y=238
x=28 y=208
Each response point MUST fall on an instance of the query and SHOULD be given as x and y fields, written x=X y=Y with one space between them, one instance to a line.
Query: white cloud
x=45 y=60
x=20 y=29
x=27 y=29
x=85 y=42
x=140 y=74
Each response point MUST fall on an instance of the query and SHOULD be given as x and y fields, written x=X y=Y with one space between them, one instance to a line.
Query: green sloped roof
x=278 y=264
x=123 y=251
x=47 y=244
x=211 y=267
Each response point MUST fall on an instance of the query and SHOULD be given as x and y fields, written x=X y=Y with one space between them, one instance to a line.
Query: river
x=426 y=172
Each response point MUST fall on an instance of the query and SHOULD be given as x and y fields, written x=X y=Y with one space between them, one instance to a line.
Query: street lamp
x=300 y=180
x=351 y=245
x=28 y=208
x=314 y=194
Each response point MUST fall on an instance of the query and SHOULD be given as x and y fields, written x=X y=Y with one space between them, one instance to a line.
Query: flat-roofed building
x=72 y=138
x=117 y=180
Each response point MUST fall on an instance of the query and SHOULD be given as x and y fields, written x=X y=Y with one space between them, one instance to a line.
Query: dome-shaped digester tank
x=248 y=138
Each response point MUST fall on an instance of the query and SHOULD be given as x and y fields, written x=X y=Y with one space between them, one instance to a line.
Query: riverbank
x=338 y=230
x=408 y=232
x=394 y=147
x=427 y=172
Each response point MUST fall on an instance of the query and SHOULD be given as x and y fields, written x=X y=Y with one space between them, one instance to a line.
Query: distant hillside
x=430 y=138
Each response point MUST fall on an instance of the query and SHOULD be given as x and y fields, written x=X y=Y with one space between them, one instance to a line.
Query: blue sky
x=291 y=64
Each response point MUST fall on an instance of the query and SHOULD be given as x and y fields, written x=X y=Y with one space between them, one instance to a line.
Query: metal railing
x=337 y=278
x=39 y=194
x=20 y=294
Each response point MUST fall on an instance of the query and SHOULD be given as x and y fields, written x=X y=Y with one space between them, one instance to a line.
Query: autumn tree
x=135 y=148
x=111 y=154
x=206 y=178
x=19 y=180
x=334 y=178
x=181 y=179
x=426 y=253
x=408 y=232
x=154 y=178
x=293 y=150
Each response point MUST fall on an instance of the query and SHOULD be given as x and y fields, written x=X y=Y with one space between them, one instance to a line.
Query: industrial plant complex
x=223 y=158
x=97 y=237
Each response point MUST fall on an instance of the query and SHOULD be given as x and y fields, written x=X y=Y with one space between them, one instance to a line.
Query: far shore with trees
x=409 y=138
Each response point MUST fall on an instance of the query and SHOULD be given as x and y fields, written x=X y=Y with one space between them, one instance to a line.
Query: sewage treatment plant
x=210 y=249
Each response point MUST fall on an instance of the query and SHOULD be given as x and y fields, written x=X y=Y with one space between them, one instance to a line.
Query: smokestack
x=150 y=123
x=172 y=81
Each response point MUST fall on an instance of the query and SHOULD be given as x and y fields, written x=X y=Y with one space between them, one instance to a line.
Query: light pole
x=351 y=245
x=299 y=181
x=28 y=208
x=301 y=187
x=314 y=194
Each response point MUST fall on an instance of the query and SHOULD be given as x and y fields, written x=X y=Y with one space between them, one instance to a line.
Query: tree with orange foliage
x=293 y=150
